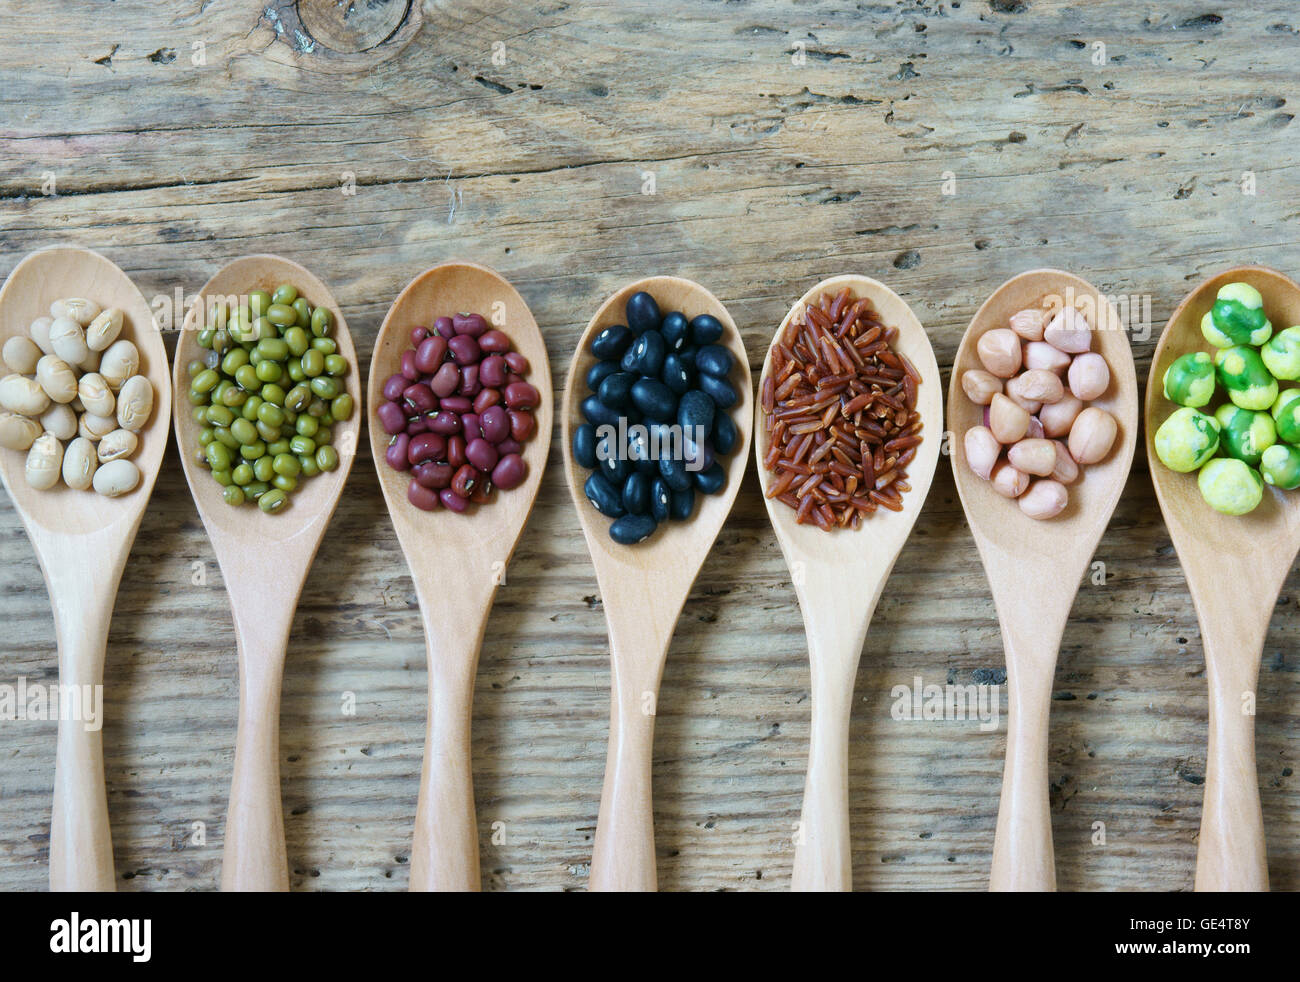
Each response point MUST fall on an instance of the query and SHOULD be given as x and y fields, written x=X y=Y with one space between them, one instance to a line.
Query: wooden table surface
x=940 y=147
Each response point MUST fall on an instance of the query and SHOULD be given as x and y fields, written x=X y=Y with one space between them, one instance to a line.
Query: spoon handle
x=254 y=857
x=1231 y=851
x=445 y=855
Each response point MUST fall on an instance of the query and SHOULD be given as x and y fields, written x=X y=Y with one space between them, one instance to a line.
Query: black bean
x=687 y=355
x=646 y=356
x=654 y=399
x=584 y=446
x=675 y=330
x=631 y=529
x=616 y=390
x=705 y=329
x=695 y=409
x=638 y=450
x=636 y=494
x=611 y=342
x=661 y=496
x=682 y=504
x=718 y=389
x=724 y=433
x=615 y=466
x=595 y=411
x=643 y=313
x=714 y=359
x=602 y=496
x=711 y=479
x=598 y=372
x=673 y=471
x=675 y=375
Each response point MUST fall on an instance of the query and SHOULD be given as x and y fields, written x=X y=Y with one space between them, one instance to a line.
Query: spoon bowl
x=474 y=547
x=643 y=588
x=82 y=540
x=838 y=577
x=1230 y=849
x=264 y=561
x=1044 y=560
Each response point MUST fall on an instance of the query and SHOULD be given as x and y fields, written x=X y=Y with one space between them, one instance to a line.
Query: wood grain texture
x=768 y=176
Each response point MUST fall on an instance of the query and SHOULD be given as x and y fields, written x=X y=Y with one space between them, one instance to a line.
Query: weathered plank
x=785 y=144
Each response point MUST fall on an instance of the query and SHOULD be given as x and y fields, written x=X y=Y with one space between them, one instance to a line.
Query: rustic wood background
x=785 y=143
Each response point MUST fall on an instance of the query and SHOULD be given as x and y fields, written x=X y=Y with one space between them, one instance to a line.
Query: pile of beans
x=459 y=413
x=75 y=380
x=656 y=419
x=267 y=393
x=1038 y=377
x=839 y=410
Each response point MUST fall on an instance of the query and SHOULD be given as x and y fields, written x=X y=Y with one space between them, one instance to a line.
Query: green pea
x=341 y=407
x=273 y=501
x=252 y=450
x=1241 y=371
x=218 y=455
x=205 y=381
x=327 y=388
x=195 y=366
x=287 y=464
x=297 y=340
x=1280 y=466
x=326 y=346
x=277 y=448
x=200 y=456
x=303 y=310
x=1245 y=434
x=233 y=495
x=324 y=435
x=1281 y=354
x=1186 y=440
x=247 y=378
x=207 y=435
x=263 y=327
x=272 y=393
x=273 y=348
x=307 y=425
x=258 y=302
x=234 y=360
x=240 y=328
x=285 y=293
x=233 y=396
x=300 y=445
x=1230 y=486
x=313 y=363
x=309 y=465
x=264 y=468
x=271 y=414
x=205 y=338
x=199 y=414
x=327 y=458
x=221 y=342
x=295 y=370
x=225 y=438
x=336 y=365
x=1237 y=317
x=269 y=371
x=242 y=474
x=1286 y=415
x=250 y=408
x=223 y=478
x=266 y=431
x=281 y=314
x=322 y=322
x=219 y=415
x=197 y=398
x=243 y=430
x=1189 y=381
x=318 y=407
x=255 y=357
x=284 y=482
x=256 y=489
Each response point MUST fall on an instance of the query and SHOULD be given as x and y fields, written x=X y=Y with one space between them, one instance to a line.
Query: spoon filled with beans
x=1043 y=408
x=84 y=410
x=266 y=386
x=459 y=409
x=684 y=425
x=848 y=430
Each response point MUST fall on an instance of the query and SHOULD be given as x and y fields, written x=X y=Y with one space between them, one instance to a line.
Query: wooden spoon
x=456 y=561
x=81 y=540
x=643 y=588
x=1221 y=554
x=264 y=560
x=1034 y=567
x=838 y=577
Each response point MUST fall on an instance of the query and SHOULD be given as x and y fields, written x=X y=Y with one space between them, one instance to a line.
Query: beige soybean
x=79 y=309
x=21 y=355
x=1066 y=470
x=1036 y=457
x=1008 y=421
x=1007 y=481
x=79 y=464
x=982 y=450
x=44 y=462
x=17 y=432
x=1036 y=385
x=40 y=332
x=20 y=394
x=61 y=420
x=999 y=351
x=118 y=363
x=68 y=340
x=1089 y=376
x=116 y=477
x=1044 y=499
x=57 y=378
x=1059 y=416
x=1092 y=435
x=95 y=395
x=104 y=329
x=116 y=445
x=980 y=386
x=1042 y=356
x=94 y=427
x=1029 y=323
x=134 y=403
x=1069 y=331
